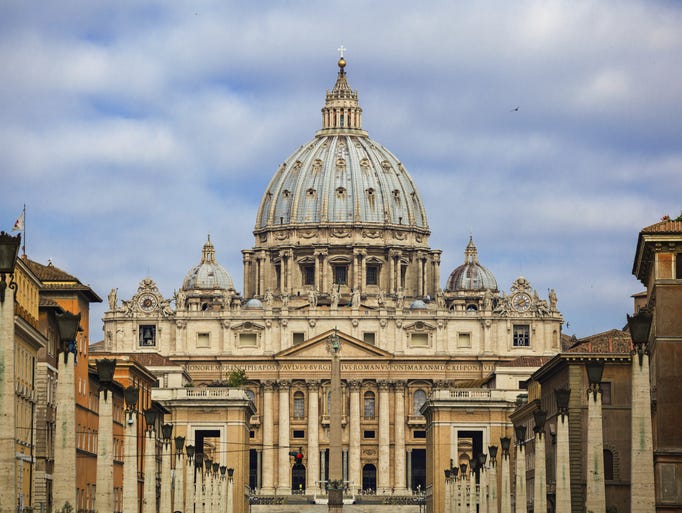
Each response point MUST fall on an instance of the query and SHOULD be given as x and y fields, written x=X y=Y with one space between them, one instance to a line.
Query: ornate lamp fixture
x=9 y=249
x=505 y=442
x=199 y=461
x=230 y=473
x=150 y=417
x=473 y=465
x=223 y=469
x=640 y=325
x=68 y=325
x=492 y=449
x=448 y=474
x=562 y=396
x=131 y=394
x=595 y=369
x=540 y=417
x=207 y=463
x=190 y=452
x=105 y=373
x=462 y=469
x=179 y=444
x=166 y=433
x=520 y=434
x=216 y=468
x=482 y=457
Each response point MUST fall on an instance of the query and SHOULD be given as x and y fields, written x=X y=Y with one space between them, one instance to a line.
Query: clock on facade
x=147 y=302
x=521 y=302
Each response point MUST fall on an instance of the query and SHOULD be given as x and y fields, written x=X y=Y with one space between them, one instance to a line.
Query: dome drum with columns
x=341 y=247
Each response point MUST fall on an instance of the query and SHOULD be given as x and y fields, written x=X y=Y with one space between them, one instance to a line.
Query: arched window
x=608 y=465
x=299 y=405
x=419 y=400
x=369 y=405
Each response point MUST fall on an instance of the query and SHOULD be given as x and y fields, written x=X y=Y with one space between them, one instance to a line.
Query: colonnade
x=389 y=458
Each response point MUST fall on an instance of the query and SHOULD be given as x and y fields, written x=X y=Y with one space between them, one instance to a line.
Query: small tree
x=236 y=378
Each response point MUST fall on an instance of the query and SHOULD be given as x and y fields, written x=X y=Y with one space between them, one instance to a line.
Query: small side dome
x=253 y=304
x=418 y=304
x=209 y=274
x=471 y=275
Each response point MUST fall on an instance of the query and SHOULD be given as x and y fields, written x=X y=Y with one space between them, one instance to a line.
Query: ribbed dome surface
x=471 y=275
x=341 y=176
x=209 y=274
x=342 y=179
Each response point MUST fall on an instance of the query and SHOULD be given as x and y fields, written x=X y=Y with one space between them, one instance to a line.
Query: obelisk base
x=335 y=500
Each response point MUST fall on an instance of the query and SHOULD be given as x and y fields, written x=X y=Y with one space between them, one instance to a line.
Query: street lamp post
x=563 y=472
x=165 y=498
x=9 y=248
x=149 y=496
x=198 y=482
x=189 y=479
x=492 y=479
x=462 y=488
x=642 y=490
x=482 y=483
x=64 y=490
x=520 y=480
x=230 y=491
x=178 y=501
x=130 y=490
x=473 y=467
x=505 y=505
x=540 y=481
x=595 y=500
x=104 y=488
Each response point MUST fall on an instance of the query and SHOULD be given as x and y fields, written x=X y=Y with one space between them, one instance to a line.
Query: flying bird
x=515 y=109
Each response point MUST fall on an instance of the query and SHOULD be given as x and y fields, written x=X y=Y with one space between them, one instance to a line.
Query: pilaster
x=399 y=443
x=595 y=500
x=283 y=482
x=104 y=499
x=268 y=436
x=313 y=436
x=354 y=436
x=64 y=488
x=384 y=470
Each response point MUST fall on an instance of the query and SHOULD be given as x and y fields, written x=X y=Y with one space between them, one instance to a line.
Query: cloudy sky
x=550 y=130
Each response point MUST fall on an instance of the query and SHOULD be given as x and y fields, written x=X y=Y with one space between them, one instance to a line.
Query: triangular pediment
x=317 y=348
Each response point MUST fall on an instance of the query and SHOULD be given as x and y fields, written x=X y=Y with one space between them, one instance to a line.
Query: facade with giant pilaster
x=341 y=247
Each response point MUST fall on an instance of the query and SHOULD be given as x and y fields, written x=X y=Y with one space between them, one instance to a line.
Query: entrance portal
x=418 y=469
x=369 y=478
x=298 y=478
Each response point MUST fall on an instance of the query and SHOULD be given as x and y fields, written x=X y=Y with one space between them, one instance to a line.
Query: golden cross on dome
x=341 y=49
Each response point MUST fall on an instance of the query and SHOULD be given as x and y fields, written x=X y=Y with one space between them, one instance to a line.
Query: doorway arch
x=298 y=478
x=369 y=478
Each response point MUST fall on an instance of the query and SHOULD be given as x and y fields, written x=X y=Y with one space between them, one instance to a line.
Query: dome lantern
x=471 y=276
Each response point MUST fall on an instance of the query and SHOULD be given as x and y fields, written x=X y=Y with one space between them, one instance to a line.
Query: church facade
x=341 y=249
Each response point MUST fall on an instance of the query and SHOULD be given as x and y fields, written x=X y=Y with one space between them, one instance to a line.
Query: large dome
x=471 y=275
x=342 y=176
x=209 y=274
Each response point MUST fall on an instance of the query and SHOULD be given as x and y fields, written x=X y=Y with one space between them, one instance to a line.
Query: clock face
x=147 y=302
x=521 y=302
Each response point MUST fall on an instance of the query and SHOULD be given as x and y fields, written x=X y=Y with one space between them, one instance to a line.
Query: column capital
x=354 y=385
x=321 y=252
x=400 y=385
x=268 y=385
x=393 y=253
x=284 y=384
x=383 y=384
x=312 y=384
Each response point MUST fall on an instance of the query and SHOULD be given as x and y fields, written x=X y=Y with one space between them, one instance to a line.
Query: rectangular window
x=252 y=434
x=299 y=433
x=203 y=340
x=298 y=338
x=308 y=275
x=419 y=340
x=605 y=392
x=464 y=340
x=419 y=434
x=369 y=338
x=248 y=340
x=521 y=335
x=368 y=434
x=147 y=334
x=372 y=277
x=340 y=274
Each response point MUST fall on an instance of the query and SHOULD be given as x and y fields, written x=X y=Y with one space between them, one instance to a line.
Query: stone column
x=129 y=499
x=323 y=467
x=399 y=426
x=483 y=492
x=384 y=470
x=268 y=445
x=189 y=486
x=283 y=481
x=259 y=469
x=447 y=492
x=354 y=436
x=492 y=487
x=540 y=480
x=642 y=489
x=595 y=499
x=230 y=496
x=563 y=471
x=472 y=492
x=409 y=469
x=521 y=501
x=149 y=497
x=505 y=504
x=313 y=436
x=165 y=498
x=64 y=485
x=178 y=499
x=104 y=490
x=8 y=449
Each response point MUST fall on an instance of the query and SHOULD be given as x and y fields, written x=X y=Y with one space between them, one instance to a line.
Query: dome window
x=311 y=192
x=472 y=308
x=370 y=192
x=341 y=192
x=286 y=193
x=364 y=163
x=317 y=165
x=386 y=165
